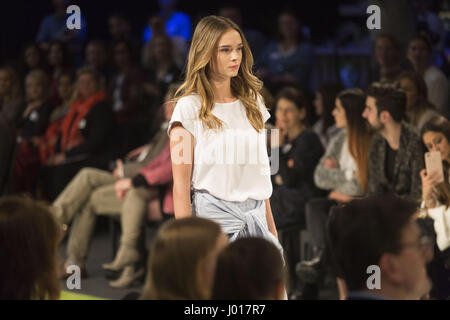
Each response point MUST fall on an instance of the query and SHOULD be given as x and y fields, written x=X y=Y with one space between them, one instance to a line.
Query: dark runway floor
x=101 y=252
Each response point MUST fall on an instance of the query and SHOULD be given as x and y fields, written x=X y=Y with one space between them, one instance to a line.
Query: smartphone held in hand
x=433 y=162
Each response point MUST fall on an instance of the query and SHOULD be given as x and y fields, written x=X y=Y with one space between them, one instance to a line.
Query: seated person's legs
x=78 y=192
x=134 y=210
x=102 y=201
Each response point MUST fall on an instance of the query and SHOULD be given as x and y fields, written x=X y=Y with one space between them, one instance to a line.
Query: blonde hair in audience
x=176 y=259
x=15 y=83
x=245 y=86
x=43 y=80
x=95 y=74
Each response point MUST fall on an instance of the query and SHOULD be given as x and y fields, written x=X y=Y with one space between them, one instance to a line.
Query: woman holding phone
x=436 y=201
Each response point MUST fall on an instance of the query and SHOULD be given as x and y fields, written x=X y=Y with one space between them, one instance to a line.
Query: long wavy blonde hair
x=245 y=86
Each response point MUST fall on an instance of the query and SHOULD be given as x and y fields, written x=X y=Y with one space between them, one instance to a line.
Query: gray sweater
x=334 y=179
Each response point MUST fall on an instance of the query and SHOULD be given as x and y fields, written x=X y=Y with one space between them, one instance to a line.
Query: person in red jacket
x=132 y=193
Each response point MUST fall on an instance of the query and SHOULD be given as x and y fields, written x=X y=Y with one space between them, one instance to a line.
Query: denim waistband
x=245 y=205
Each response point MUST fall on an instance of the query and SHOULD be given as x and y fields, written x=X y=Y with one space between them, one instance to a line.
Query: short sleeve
x=186 y=113
x=262 y=107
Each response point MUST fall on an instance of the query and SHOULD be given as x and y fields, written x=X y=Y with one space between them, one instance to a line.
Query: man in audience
x=255 y=39
x=96 y=57
x=387 y=53
x=396 y=153
x=54 y=27
x=378 y=250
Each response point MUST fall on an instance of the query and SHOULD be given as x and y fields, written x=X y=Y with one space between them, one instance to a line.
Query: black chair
x=8 y=150
x=295 y=242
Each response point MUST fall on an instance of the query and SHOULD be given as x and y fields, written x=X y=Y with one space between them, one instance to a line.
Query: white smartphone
x=433 y=162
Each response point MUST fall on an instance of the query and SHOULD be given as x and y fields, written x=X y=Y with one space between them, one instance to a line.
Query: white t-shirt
x=231 y=163
x=346 y=162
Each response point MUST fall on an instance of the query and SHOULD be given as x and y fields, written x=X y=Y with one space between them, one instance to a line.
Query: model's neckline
x=225 y=103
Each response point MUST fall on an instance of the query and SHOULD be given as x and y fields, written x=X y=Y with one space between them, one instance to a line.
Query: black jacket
x=408 y=163
x=96 y=128
x=297 y=187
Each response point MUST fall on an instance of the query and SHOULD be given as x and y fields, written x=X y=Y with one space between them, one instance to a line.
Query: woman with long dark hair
x=436 y=203
x=343 y=171
x=324 y=104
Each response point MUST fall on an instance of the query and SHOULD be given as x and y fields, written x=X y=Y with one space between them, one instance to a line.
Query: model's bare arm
x=182 y=155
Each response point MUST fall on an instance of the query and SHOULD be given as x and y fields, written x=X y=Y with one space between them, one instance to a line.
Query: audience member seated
x=419 y=55
x=182 y=260
x=380 y=255
x=96 y=57
x=343 y=170
x=418 y=109
x=396 y=152
x=255 y=39
x=59 y=62
x=33 y=124
x=160 y=65
x=54 y=28
x=249 y=269
x=84 y=137
x=388 y=58
x=119 y=28
x=177 y=23
x=299 y=151
x=48 y=140
x=289 y=61
x=33 y=59
x=436 y=203
x=129 y=102
x=179 y=44
x=11 y=101
x=131 y=191
x=29 y=238
x=324 y=103
x=428 y=21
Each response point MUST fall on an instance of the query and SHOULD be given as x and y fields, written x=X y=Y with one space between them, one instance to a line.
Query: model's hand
x=122 y=186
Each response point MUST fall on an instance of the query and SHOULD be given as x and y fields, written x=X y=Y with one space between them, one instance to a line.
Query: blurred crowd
x=83 y=125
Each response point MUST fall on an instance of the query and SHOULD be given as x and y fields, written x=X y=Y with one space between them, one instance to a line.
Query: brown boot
x=125 y=256
x=127 y=277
